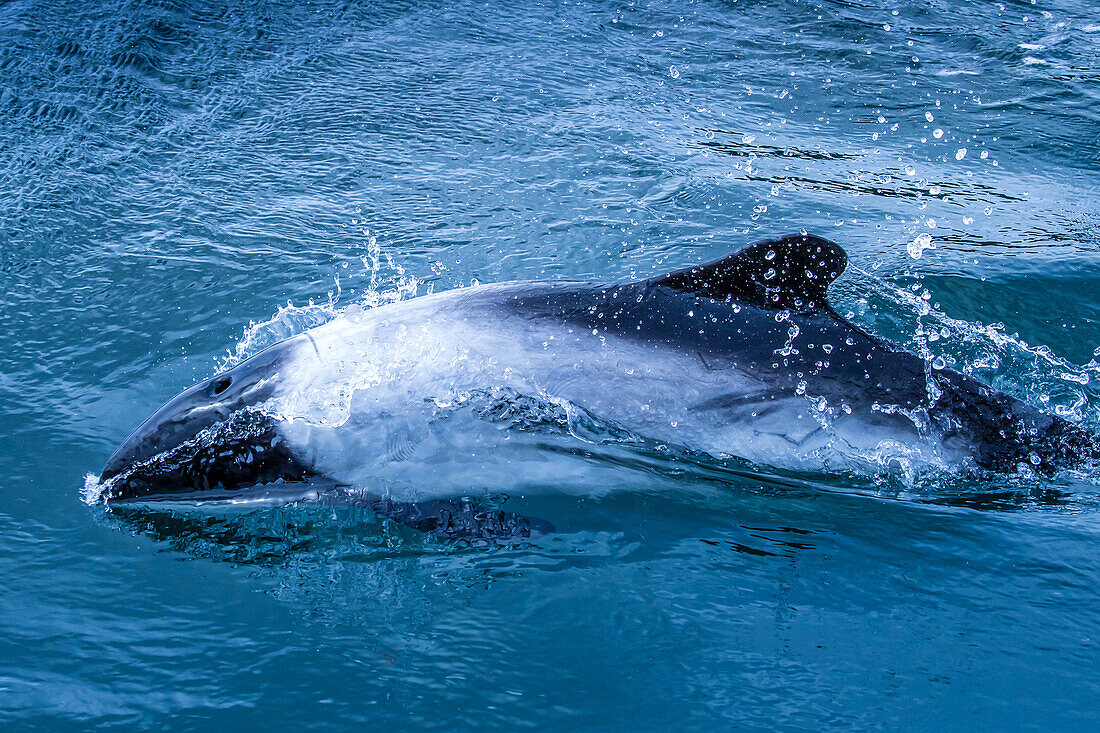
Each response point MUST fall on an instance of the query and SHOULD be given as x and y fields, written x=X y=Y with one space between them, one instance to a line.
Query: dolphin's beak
x=180 y=420
x=151 y=458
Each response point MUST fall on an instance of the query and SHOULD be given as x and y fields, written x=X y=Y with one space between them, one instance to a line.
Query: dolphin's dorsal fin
x=790 y=272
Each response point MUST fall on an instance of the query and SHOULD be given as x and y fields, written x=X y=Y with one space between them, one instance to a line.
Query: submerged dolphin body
x=739 y=357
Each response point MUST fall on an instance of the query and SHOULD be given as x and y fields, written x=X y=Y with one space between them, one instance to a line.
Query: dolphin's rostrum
x=742 y=356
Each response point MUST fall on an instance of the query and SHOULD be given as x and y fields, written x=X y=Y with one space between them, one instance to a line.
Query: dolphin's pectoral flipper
x=790 y=272
x=455 y=519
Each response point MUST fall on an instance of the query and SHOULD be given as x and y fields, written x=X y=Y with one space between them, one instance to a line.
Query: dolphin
x=739 y=357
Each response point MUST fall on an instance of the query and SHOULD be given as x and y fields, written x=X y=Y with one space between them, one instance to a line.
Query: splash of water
x=1034 y=373
x=93 y=490
x=380 y=282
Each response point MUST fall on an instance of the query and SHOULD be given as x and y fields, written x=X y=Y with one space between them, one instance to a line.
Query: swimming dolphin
x=742 y=357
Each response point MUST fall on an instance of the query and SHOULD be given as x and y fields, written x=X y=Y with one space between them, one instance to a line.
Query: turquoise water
x=170 y=175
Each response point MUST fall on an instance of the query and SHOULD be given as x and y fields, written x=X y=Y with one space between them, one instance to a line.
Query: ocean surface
x=182 y=184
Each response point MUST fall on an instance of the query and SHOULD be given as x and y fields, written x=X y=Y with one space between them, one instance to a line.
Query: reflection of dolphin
x=742 y=356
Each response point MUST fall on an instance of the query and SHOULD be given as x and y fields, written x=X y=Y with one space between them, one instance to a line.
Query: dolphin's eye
x=222 y=384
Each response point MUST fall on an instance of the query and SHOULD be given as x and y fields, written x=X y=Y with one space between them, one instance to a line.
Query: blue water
x=170 y=174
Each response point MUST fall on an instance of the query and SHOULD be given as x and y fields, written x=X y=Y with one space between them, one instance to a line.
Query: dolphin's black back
x=764 y=310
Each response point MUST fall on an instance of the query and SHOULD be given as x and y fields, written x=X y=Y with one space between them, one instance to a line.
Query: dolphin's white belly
x=379 y=396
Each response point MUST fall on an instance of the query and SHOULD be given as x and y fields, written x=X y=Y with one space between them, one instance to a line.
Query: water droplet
x=960 y=154
x=674 y=72
x=917 y=246
x=928 y=116
x=770 y=273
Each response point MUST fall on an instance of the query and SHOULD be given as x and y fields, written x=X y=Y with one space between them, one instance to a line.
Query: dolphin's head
x=212 y=435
